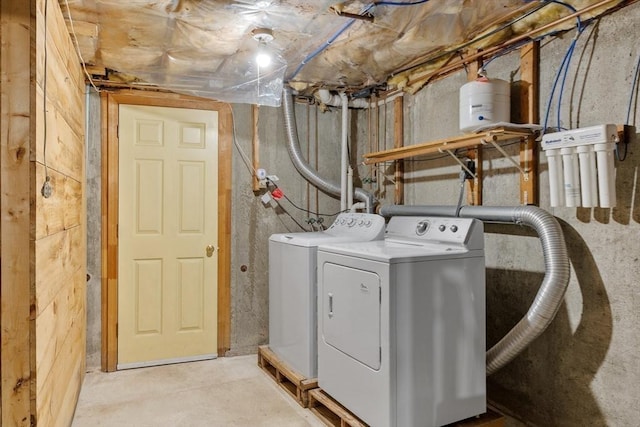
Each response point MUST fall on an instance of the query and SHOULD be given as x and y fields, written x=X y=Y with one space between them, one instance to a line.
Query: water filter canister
x=606 y=174
x=588 y=175
x=571 y=168
x=556 y=180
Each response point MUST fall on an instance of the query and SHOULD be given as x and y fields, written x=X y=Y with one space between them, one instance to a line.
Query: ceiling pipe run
x=307 y=172
x=325 y=97
x=556 y=278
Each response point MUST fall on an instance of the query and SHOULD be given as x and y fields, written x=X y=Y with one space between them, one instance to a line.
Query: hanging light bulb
x=263 y=56
x=263 y=59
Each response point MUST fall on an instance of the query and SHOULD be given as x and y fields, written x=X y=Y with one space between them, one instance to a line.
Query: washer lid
x=348 y=227
x=310 y=239
x=398 y=251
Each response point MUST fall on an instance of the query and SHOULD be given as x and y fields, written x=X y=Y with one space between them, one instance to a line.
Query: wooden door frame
x=110 y=102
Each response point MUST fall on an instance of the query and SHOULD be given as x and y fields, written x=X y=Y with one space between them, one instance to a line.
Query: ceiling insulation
x=206 y=48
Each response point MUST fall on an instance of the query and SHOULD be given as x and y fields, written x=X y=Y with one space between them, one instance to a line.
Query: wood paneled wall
x=16 y=136
x=42 y=239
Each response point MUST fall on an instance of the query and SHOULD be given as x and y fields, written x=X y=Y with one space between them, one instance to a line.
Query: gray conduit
x=307 y=172
x=556 y=278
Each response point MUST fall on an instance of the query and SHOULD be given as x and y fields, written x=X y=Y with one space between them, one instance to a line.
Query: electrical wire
x=512 y=48
x=303 y=209
x=77 y=46
x=290 y=216
x=627 y=121
x=633 y=91
x=390 y=3
x=47 y=178
x=247 y=162
x=326 y=44
x=344 y=28
x=243 y=155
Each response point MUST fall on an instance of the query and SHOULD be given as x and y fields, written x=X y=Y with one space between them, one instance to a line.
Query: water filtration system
x=581 y=166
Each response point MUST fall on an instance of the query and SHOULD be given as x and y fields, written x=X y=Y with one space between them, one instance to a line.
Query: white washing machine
x=293 y=286
x=402 y=323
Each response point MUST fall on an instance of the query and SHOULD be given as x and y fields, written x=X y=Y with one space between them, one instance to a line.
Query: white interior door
x=167 y=235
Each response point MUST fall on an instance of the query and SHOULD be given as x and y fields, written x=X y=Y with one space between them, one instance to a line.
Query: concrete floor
x=227 y=392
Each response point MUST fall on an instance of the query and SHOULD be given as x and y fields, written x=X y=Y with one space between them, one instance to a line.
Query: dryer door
x=352 y=312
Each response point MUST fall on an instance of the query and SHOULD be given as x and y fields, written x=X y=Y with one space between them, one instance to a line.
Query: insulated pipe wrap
x=553 y=287
x=307 y=172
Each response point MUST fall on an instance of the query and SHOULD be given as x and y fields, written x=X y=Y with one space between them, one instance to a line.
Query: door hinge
x=117 y=330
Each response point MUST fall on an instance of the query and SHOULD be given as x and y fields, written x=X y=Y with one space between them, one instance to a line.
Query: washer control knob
x=442 y=227
x=351 y=222
x=454 y=228
x=367 y=223
x=422 y=227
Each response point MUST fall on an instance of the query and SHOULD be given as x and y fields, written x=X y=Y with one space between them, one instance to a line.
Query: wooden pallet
x=333 y=414
x=292 y=382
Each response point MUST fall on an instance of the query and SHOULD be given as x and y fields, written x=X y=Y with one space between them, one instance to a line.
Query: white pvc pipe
x=588 y=178
x=326 y=98
x=349 y=187
x=303 y=167
x=571 y=168
x=606 y=174
x=356 y=206
x=556 y=181
x=344 y=158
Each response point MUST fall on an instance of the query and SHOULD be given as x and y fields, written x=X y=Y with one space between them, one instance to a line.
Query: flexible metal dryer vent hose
x=556 y=278
x=308 y=173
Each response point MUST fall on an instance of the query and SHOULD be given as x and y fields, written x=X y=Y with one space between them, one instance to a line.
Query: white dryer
x=402 y=323
x=293 y=286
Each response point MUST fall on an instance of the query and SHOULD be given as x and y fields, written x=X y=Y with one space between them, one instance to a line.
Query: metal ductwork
x=311 y=175
x=556 y=278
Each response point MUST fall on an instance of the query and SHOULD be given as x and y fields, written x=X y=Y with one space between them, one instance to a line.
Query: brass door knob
x=210 y=250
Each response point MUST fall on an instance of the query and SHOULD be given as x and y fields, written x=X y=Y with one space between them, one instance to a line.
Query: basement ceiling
x=207 y=48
